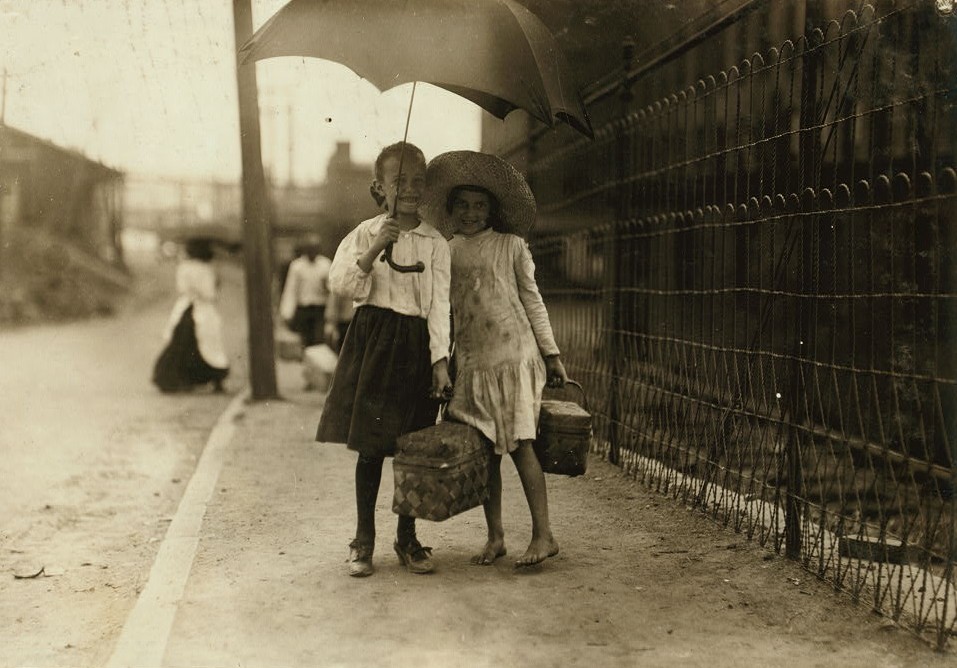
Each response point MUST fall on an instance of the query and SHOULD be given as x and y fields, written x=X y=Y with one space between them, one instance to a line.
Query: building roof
x=7 y=132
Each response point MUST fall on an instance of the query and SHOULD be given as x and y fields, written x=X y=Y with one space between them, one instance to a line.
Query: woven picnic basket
x=440 y=471
x=564 y=432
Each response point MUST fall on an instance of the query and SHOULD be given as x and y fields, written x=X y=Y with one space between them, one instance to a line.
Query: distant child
x=305 y=292
x=504 y=346
x=393 y=365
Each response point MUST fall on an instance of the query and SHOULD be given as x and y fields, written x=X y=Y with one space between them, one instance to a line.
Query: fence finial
x=627 y=61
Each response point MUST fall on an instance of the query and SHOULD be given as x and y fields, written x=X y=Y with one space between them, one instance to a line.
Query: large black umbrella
x=495 y=53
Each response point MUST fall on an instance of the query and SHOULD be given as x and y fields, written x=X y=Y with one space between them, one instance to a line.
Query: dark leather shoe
x=416 y=558
x=360 y=559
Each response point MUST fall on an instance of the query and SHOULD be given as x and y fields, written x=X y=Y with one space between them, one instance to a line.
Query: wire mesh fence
x=753 y=275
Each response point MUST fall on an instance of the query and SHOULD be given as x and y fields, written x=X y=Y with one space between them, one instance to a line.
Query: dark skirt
x=308 y=322
x=381 y=386
x=180 y=366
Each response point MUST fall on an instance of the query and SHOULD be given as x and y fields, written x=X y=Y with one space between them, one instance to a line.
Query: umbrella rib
x=538 y=69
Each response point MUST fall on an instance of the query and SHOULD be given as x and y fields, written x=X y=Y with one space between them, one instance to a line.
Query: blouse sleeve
x=345 y=276
x=532 y=299
x=438 y=318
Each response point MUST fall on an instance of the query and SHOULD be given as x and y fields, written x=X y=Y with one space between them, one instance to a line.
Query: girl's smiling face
x=410 y=188
x=470 y=211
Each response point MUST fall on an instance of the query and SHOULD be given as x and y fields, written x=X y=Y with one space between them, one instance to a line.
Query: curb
x=142 y=642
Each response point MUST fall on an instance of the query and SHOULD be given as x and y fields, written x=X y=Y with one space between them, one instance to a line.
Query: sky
x=149 y=87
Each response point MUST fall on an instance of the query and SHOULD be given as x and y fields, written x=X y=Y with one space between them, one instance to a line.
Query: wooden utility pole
x=256 y=241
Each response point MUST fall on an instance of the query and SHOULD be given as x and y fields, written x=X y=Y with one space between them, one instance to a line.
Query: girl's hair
x=396 y=150
x=199 y=249
x=494 y=207
x=377 y=196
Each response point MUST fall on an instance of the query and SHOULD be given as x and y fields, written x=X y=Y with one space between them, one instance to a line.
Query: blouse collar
x=478 y=235
x=422 y=229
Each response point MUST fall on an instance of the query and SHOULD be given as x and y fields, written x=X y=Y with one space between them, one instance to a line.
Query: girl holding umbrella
x=393 y=366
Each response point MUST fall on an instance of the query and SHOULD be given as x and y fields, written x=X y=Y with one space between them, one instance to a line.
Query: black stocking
x=368 y=477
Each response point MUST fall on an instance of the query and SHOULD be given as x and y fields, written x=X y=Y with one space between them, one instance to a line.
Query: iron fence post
x=809 y=177
x=615 y=265
x=794 y=470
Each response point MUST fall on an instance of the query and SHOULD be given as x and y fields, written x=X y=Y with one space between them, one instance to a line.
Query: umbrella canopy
x=495 y=53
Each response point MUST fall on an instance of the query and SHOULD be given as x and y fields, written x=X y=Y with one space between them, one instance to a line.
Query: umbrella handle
x=417 y=268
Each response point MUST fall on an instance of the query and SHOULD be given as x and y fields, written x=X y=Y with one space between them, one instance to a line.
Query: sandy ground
x=95 y=462
x=640 y=579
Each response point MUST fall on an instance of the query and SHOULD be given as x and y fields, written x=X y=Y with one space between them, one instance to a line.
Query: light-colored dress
x=502 y=334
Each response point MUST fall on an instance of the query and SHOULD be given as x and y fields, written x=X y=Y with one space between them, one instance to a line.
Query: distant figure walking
x=303 y=301
x=194 y=354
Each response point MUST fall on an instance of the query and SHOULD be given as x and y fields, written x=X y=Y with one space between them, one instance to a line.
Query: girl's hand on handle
x=441 y=384
x=388 y=233
x=555 y=371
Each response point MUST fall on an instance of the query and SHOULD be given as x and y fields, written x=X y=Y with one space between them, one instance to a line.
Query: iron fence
x=753 y=275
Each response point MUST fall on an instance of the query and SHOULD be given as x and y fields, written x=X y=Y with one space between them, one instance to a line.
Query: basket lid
x=556 y=408
x=445 y=442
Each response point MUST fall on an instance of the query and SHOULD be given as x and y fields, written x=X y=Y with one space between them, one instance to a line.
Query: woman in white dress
x=193 y=354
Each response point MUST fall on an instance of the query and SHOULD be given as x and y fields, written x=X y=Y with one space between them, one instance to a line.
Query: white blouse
x=423 y=295
x=306 y=285
x=196 y=280
x=196 y=285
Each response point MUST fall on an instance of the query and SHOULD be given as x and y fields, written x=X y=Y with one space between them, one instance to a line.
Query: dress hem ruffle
x=494 y=400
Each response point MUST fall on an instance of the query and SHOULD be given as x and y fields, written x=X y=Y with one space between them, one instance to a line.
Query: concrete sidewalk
x=640 y=580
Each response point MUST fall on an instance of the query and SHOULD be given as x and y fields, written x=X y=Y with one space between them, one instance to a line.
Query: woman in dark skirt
x=194 y=354
x=393 y=366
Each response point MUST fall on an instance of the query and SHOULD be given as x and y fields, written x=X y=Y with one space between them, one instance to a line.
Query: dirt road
x=94 y=463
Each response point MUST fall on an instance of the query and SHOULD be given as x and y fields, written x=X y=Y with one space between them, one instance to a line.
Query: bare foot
x=493 y=550
x=538 y=551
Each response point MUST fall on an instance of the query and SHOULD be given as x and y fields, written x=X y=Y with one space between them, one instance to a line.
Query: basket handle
x=580 y=389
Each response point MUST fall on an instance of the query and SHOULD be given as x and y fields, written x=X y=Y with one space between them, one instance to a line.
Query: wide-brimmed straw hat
x=469 y=168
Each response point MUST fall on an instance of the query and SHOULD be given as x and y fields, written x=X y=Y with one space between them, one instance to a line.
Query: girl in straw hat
x=393 y=366
x=505 y=351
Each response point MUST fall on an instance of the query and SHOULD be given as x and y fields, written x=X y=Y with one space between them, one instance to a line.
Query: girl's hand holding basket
x=441 y=383
x=555 y=371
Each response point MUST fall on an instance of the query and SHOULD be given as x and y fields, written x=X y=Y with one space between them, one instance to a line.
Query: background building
x=49 y=190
